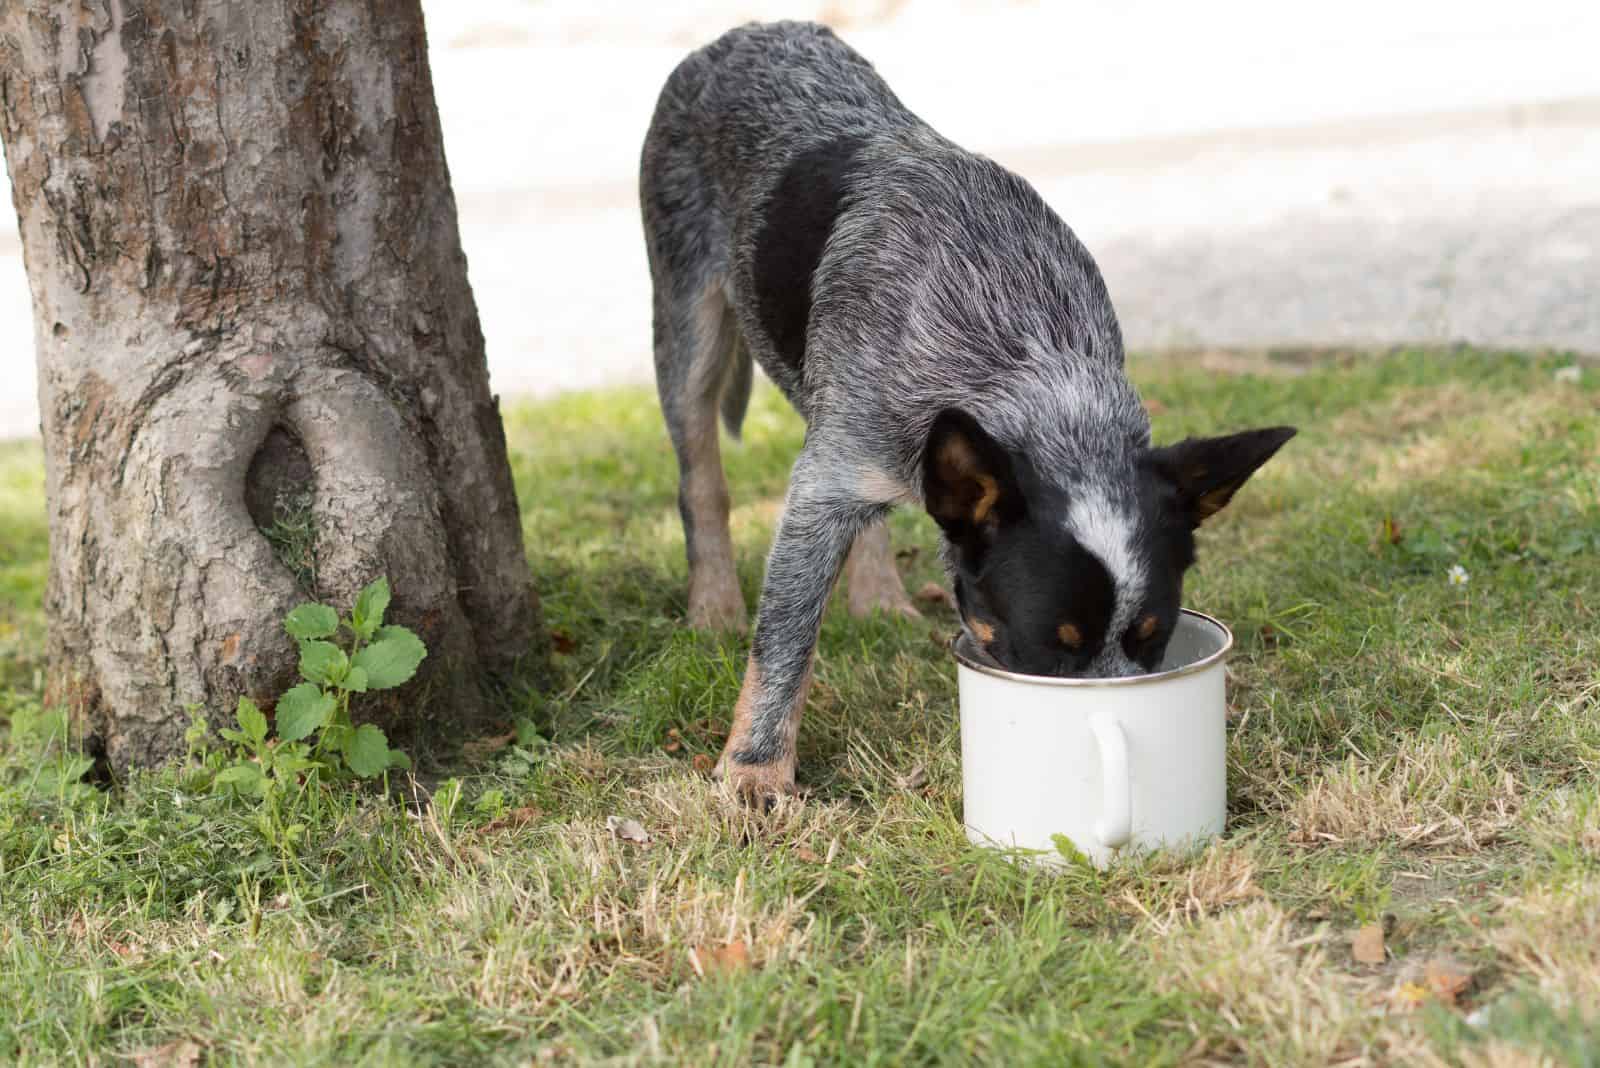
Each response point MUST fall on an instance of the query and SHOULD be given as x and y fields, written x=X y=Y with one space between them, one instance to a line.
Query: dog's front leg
x=819 y=524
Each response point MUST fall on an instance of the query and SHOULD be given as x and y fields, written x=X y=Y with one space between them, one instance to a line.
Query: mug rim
x=1122 y=680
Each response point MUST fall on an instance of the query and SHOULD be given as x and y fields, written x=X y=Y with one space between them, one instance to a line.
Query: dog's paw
x=758 y=785
x=718 y=607
x=893 y=601
x=878 y=589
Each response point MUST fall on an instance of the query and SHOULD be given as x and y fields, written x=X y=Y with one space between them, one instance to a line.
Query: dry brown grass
x=1416 y=434
x=1552 y=935
x=1408 y=410
x=1501 y=1054
x=1493 y=1053
x=648 y=904
x=1282 y=1001
x=592 y=904
x=1181 y=887
x=1566 y=821
x=1285 y=996
x=689 y=809
x=1427 y=793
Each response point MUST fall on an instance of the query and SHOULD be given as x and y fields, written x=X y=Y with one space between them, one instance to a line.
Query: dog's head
x=1085 y=580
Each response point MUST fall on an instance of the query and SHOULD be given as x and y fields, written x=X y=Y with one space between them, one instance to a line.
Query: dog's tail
x=736 y=387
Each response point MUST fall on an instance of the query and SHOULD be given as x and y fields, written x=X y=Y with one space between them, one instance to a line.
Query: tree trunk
x=248 y=291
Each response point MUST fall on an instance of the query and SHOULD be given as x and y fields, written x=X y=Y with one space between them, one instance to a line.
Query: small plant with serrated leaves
x=314 y=731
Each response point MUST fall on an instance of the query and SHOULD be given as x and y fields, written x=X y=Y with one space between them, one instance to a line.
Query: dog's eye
x=1138 y=636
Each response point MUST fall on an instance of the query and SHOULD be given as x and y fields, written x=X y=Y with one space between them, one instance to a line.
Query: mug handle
x=1115 y=825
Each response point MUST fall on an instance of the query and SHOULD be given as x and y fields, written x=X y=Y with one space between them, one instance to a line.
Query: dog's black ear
x=968 y=483
x=1207 y=471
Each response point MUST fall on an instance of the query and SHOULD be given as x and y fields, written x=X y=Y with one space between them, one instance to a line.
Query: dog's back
x=876 y=271
x=738 y=110
x=731 y=122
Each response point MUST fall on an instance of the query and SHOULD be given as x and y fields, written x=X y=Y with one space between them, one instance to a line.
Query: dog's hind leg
x=697 y=351
x=871 y=581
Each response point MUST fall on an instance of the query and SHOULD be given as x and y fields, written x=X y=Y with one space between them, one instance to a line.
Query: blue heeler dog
x=947 y=339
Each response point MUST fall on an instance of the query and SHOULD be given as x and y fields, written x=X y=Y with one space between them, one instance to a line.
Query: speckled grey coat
x=797 y=213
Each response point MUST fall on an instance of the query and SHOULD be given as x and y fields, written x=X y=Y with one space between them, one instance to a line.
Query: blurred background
x=1249 y=174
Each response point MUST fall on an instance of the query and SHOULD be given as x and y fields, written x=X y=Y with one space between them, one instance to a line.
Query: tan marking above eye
x=1071 y=635
x=1147 y=627
x=982 y=631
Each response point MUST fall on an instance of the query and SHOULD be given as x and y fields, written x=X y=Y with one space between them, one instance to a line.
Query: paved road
x=1383 y=173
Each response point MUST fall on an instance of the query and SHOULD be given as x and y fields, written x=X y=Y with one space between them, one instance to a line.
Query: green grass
x=1403 y=751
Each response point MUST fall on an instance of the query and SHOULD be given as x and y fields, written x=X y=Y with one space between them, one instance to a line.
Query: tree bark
x=248 y=284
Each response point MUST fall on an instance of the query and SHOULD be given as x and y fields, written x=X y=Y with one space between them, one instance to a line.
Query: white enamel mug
x=1112 y=764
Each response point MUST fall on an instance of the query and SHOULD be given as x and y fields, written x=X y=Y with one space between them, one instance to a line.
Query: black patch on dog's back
x=796 y=221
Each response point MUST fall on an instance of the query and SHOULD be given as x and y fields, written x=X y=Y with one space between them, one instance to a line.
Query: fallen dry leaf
x=707 y=960
x=708 y=731
x=913 y=778
x=126 y=950
x=703 y=763
x=674 y=741
x=1408 y=996
x=933 y=593
x=517 y=817
x=1391 y=531
x=1154 y=407
x=627 y=830
x=1448 y=978
x=482 y=747
x=1367 y=945
x=563 y=642
x=807 y=855
x=1442 y=980
x=182 y=1054
x=552 y=1053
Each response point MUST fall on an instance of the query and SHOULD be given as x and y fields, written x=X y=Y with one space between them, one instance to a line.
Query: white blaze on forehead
x=1109 y=532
